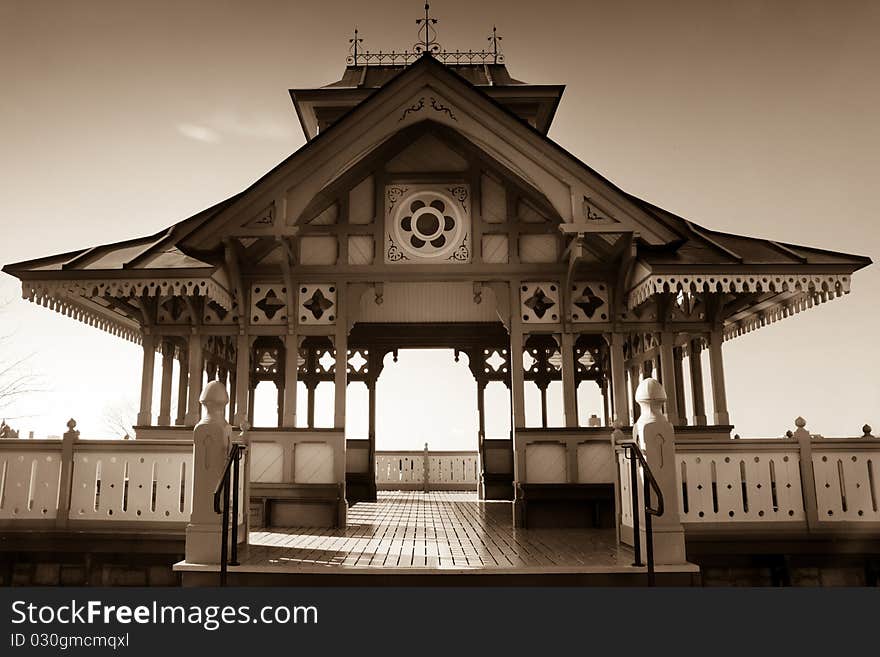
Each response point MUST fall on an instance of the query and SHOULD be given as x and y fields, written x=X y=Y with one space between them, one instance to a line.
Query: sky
x=759 y=118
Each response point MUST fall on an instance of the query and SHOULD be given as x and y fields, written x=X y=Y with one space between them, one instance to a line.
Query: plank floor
x=437 y=531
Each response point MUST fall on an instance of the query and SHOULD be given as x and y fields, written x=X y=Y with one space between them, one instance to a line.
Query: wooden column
x=569 y=386
x=481 y=419
x=517 y=379
x=291 y=364
x=667 y=366
x=310 y=407
x=618 y=379
x=193 y=412
x=340 y=343
x=633 y=386
x=242 y=377
x=716 y=365
x=145 y=415
x=164 y=418
x=182 y=386
x=678 y=371
x=696 y=365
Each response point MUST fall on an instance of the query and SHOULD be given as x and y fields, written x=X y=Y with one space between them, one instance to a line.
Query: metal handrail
x=636 y=457
x=221 y=505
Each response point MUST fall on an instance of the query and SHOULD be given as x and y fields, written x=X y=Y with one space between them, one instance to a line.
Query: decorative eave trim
x=784 y=309
x=733 y=283
x=129 y=287
x=85 y=311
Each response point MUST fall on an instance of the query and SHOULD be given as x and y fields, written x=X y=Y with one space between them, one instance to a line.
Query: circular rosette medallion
x=429 y=224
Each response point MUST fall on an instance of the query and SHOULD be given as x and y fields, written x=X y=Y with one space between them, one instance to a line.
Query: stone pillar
x=667 y=366
x=569 y=386
x=195 y=379
x=618 y=380
x=696 y=365
x=291 y=364
x=164 y=418
x=182 y=387
x=655 y=435
x=716 y=365
x=242 y=378
x=145 y=415
x=678 y=371
x=212 y=437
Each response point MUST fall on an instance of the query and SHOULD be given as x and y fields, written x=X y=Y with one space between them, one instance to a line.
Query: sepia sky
x=118 y=118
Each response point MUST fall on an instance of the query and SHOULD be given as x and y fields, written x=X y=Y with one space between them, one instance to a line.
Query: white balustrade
x=847 y=486
x=426 y=469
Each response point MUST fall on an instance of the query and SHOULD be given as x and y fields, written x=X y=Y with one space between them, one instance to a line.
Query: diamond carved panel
x=589 y=302
x=539 y=303
x=268 y=304
x=317 y=303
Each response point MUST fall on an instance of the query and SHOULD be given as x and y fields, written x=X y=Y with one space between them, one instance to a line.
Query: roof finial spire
x=355 y=41
x=427 y=34
x=494 y=39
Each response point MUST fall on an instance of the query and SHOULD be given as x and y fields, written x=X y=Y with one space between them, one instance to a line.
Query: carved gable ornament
x=427 y=224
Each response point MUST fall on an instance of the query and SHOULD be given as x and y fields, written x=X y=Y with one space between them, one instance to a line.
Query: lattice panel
x=360 y=250
x=495 y=249
x=313 y=463
x=266 y=462
x=268 y=304
x=545 y=463
x=595 y=463
x=589 y=302
x=539 y=302
x=317 y=303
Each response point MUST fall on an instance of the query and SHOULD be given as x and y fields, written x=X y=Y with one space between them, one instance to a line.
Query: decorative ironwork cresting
x=427 y=43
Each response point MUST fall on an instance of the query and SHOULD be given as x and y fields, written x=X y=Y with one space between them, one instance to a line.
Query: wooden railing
x=79 y=483
x=427 y=470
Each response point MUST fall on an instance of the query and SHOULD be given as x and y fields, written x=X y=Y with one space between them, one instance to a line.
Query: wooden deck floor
x=436 y=531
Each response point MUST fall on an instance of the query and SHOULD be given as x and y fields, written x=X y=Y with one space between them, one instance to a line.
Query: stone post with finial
x=655 y=435
x=212 y=438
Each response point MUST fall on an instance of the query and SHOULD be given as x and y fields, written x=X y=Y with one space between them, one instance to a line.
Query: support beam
x=569 y=386
x=145 y=415
x=182 y=386
x=193 y=412
x=667 y=367
x=716 y=365
x=618 y=379
x=291 y=364
x=164 y=418
x=242 y=378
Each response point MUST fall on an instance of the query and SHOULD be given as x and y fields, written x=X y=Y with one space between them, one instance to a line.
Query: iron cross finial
x=494 y=39
x=355 y=42
x=428 y=39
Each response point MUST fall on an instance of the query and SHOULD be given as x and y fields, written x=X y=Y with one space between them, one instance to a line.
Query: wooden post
x=66 y=480
x=164 y=418
x=182 y=386
x=242 y=377
x=716 y=365
x=618 y=380
x=808 y=477
x=340 y=343
x=633 y=385
x=678 y=372
x=291 y=364
x=425 y=469
x=696 y=365
x=667 y=366
x=195 y=378
x=569 y=386
x=145 y=415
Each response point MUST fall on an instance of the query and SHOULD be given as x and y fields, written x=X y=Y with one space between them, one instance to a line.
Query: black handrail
x=636 y=458
x=221 y=505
